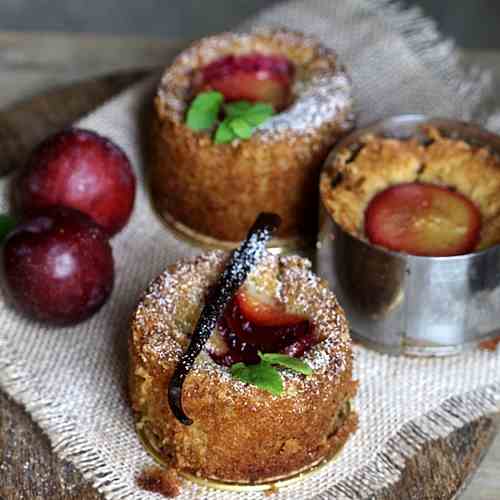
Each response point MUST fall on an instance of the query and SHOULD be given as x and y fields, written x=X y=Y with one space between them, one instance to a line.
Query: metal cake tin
x=404 y=304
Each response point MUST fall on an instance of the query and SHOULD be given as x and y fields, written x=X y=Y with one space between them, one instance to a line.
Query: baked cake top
x=169 y=309
x=321 y=88
x=353 y=176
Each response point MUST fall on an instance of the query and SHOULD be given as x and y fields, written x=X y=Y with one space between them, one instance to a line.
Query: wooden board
x=28 y=468
x=26 y=124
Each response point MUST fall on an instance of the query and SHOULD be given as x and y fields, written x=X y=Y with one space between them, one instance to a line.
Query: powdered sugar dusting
x=319 y=100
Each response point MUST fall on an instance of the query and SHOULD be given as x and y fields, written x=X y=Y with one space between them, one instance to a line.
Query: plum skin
x=79 y=169
x=414 y=194
x=253 y=77
x=58 y=266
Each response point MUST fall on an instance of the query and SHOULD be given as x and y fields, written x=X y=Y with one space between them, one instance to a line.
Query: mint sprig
x=241 y=117
x=224 y=133
x=241 y=127
x=204 y=110
x=258 y=113
x=237 y=108
x=285 y=361
x=264 y=375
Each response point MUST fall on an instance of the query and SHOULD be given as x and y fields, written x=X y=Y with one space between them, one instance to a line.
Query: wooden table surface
x=33 y=63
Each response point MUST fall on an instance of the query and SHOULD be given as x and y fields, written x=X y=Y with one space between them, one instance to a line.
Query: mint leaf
x=7 y=223
x=262 y=375
x=294 y=364
x=238 y=108
x=241 y=128
x=258 y=113
x=224 y=133
x=208 y=100
x=241 y=116
x=254 y=114
x=262 y=107
x=204 y=110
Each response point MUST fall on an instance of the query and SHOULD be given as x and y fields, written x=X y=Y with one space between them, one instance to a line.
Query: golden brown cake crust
x=240 y=432
x=218 y=189
x=351 y=179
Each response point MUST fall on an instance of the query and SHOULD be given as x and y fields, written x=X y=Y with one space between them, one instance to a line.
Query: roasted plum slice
x=423 y=219
x=252 y=77
x=253 y=323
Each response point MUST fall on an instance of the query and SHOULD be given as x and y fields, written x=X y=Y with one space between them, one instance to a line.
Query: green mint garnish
x=242 y=117
x=237 y=108
x=241 y=128
x=204 y=110
x=258 y=113
x=7 y=224
x=289 y=362
x=262 y=375
x=224 y=133
x=252 y=114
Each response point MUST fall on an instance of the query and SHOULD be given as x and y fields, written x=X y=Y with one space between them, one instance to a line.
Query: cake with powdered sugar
x=211 y=185
x=244 y=430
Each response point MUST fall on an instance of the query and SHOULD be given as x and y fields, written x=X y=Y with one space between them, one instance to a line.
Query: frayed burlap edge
x=381 y=471
x=388 y=464
x=66 y=440
x=440 y=54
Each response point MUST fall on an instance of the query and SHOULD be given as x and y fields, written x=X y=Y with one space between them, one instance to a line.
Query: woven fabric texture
x=73 y=380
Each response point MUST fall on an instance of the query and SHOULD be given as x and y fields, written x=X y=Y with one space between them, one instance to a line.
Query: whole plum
x=79 y=169
x=58 y=266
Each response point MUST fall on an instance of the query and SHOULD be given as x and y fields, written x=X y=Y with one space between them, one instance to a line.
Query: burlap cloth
x=73 y=380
